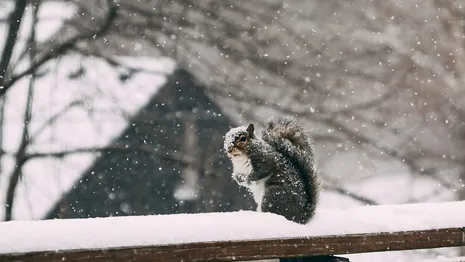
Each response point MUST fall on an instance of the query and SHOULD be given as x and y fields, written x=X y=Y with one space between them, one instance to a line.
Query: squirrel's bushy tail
x=291 y=140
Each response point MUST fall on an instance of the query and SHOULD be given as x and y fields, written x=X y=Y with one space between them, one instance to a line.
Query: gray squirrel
x=278 y=168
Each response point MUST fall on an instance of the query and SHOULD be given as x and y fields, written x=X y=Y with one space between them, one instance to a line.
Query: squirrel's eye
x=243 y=139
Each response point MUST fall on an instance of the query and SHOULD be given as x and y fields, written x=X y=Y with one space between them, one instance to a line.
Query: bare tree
x=14 y=22
x=36 y=58
x=19 y=161
x=9 y=77
x=381 y=79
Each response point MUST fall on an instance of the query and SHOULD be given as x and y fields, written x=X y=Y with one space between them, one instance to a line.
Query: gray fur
x=283 y=160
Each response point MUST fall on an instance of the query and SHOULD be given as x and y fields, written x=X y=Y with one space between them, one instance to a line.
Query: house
x=168 y=160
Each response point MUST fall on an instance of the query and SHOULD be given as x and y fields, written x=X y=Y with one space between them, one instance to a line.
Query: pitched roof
x=145 y=180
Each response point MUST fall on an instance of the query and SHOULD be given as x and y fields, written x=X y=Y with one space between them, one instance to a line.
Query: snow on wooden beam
x=242 y=235
x=261 y=249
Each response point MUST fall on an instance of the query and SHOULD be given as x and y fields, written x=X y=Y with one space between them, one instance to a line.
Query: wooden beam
x=261 y=249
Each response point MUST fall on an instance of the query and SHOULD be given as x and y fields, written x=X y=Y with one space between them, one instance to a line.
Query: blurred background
x=118 y=107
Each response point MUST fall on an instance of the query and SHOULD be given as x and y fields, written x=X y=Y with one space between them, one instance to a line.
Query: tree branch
x=61 y=48
x=350 y=194
x=123 y=148
x=54 y=118
x=114 y=62
x=13 y=28
x=24 y=142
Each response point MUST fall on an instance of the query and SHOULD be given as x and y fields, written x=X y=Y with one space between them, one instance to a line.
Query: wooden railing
x=307 y=248
x=260 y=249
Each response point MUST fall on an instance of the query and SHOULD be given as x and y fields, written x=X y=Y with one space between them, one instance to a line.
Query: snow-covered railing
x=232 y=236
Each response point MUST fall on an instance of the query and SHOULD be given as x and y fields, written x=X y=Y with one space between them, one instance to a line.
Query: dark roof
x=140 y=182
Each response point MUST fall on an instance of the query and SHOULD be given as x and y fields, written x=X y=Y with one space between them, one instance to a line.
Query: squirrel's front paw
x=241 y=179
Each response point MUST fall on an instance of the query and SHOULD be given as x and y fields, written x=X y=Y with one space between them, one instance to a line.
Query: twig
x=13 y=29
x=124 y=148
x=351 y=194
x=114 y=62
x=61 y=49
x=53 y=118
x=24 y=142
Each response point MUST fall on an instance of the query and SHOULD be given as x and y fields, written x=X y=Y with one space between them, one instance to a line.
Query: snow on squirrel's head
x=237 y=139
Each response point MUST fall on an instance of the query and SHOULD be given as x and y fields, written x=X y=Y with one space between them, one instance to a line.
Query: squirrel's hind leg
x=279 y=201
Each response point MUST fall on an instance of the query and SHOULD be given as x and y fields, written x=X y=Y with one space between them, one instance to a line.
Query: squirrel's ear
x=250 y=130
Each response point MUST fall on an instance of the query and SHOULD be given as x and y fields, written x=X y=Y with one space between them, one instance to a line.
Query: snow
x=188 y=189
x=113 y=232
x=102 y=107
x=185 y=192
x=231 y=135
x=241 y=165
x=111 y=103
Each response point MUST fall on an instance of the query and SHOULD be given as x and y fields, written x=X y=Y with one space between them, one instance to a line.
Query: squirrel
x=278 y=168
